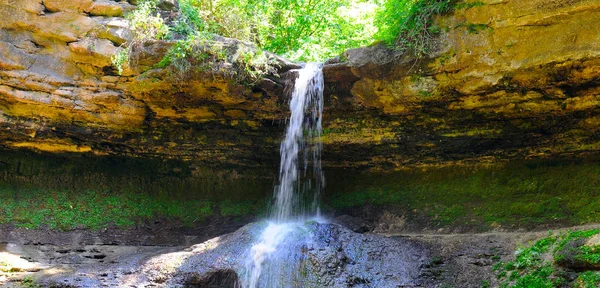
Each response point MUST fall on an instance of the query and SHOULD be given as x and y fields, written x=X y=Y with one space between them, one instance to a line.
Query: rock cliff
x=507 y=80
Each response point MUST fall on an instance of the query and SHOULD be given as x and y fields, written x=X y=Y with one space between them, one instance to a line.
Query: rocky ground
x=337 y=256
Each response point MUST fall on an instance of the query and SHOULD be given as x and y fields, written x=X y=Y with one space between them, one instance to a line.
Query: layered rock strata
x=507 y=80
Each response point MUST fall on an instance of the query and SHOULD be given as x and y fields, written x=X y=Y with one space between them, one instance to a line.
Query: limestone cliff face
x=508 y=80
x=59 y=92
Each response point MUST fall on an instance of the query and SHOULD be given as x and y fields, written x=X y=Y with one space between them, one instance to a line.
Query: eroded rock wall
x=59 y=92
x=507 y=80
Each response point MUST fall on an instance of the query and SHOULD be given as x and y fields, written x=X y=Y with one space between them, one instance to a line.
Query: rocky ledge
x=507 y=80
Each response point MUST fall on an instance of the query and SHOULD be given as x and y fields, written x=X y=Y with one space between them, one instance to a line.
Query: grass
x=67 y=210
x=523 y=195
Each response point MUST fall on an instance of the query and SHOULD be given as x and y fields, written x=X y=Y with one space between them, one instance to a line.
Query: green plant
x=409 y=24
x=28 y=282
x=145 y=23
x=66 y=210
x=298 y=30
x=573 y=236
x=241 y=62
x=425 y=94
x=120 y=59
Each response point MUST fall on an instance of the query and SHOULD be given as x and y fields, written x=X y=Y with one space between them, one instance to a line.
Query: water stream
x=271 y=261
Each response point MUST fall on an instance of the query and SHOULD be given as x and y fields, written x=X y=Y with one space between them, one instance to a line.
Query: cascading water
x=272 y=261
x=303 y=134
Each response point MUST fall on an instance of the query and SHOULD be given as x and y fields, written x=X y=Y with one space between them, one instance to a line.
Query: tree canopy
x=313 y=30
x=300 y=30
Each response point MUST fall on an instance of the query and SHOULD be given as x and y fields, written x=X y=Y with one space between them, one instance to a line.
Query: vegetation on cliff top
x=305 y=30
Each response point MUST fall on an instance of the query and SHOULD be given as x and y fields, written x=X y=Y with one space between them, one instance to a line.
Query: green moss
x=424 y=94
x=516 y=195
x=444 y=216
x=64 y=193
x=241 y=208
x=65 y=210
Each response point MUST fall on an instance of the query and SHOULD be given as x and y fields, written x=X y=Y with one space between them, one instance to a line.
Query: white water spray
x=295 y=186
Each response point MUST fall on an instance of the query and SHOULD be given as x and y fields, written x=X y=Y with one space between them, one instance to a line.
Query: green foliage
x=574 y=236
x=304 y=30
x=28 y=282
x=588 y=254
x=201 y=53
x=408 y=24
x=237 y=208
x=146 y=24
x=300 y=30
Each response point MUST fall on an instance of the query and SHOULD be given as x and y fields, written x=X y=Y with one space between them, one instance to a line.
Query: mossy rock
x=579 y=252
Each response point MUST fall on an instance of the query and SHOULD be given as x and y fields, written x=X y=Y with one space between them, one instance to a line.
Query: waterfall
x=302 y=135
x=298 y=189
